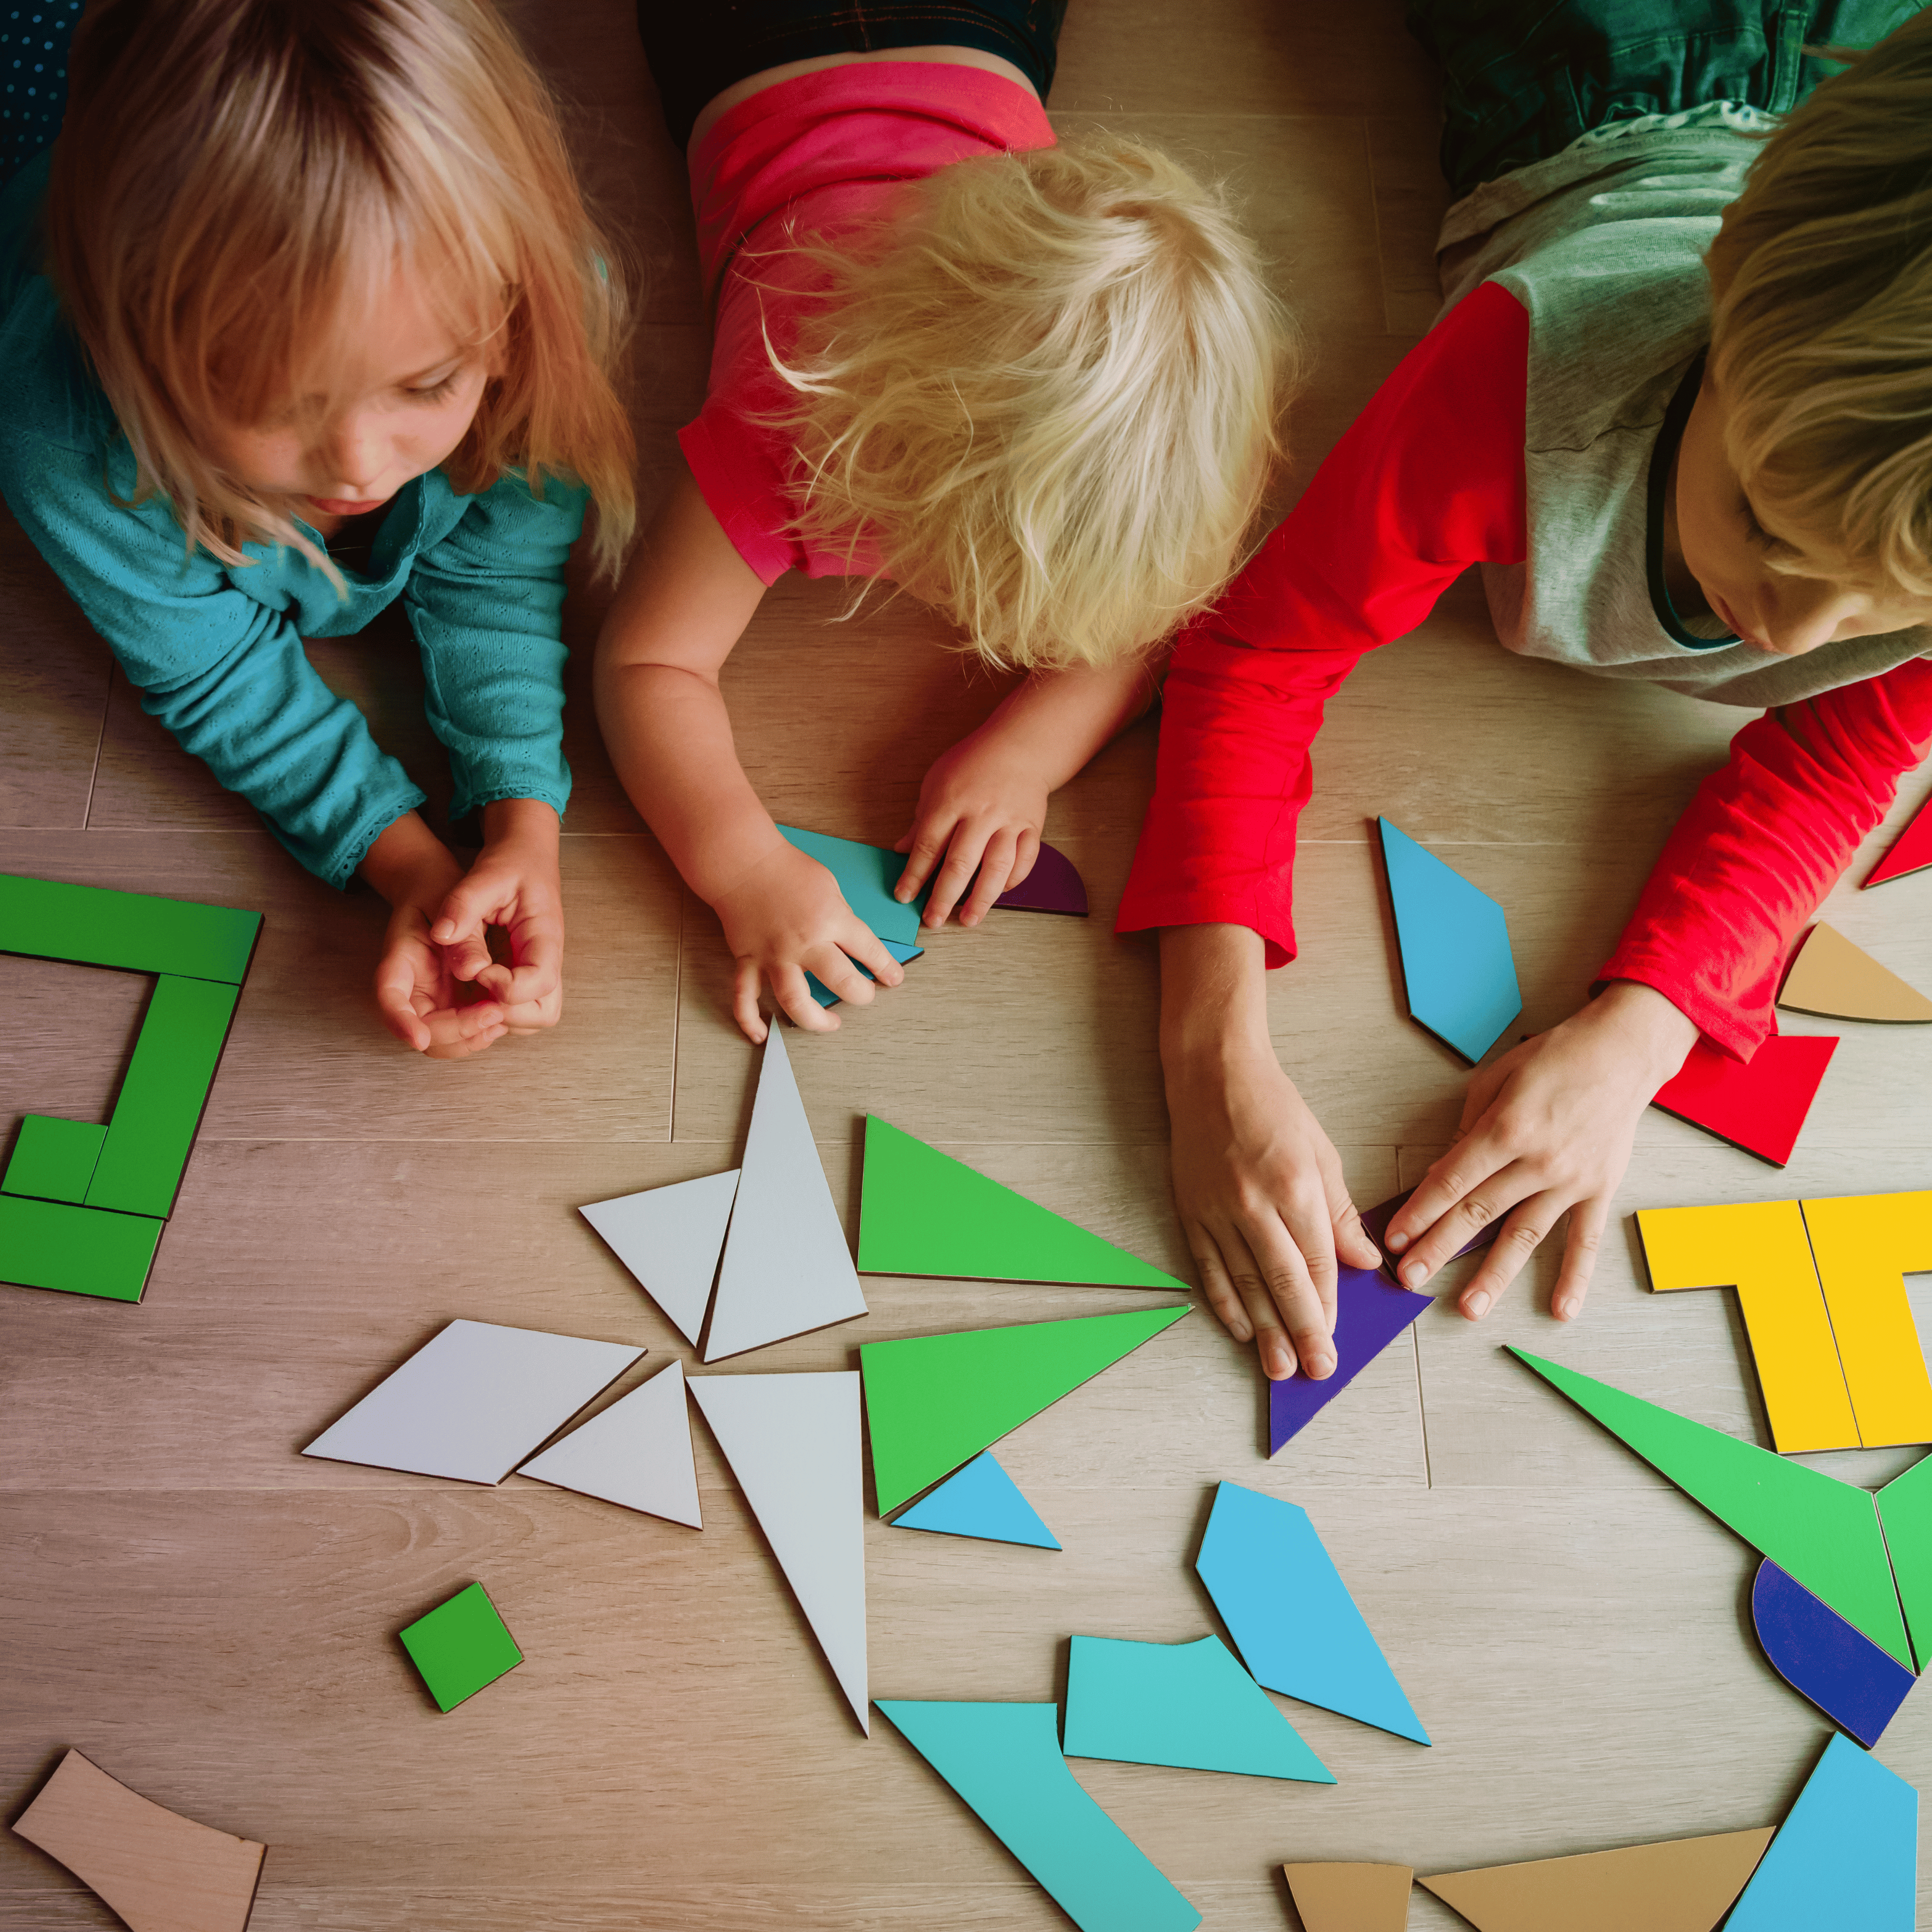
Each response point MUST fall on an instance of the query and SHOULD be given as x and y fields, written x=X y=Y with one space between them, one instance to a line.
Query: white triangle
x=793 y=1443
x=669 y=1238
x=473 y=1401
x=786 y=1268
x=637 y=1453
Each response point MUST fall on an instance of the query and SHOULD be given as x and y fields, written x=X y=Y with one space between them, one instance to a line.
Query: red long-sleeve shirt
x=1428 y=481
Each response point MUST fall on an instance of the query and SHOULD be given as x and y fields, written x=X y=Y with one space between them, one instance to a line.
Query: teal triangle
x=981 y=1501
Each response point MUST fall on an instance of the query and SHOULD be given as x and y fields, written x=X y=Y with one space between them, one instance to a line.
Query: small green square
x=460 y=1646
x=53 y=1159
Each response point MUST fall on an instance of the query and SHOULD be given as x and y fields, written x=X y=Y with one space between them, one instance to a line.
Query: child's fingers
x=537 y=972
x=473 y=901
x=745 y=980
x=996 y=870
x=1280 y=1292
x=469 y=1044
x=837 y=974
x=395 y=1000
x=1353 y=1242
x=790 y=989
x=1216 y=1283
x=864 y=945
x=1524 y=1232
x=1458 y=1197
x=962 y=860
x=451 y=1027
x=923 y=845
x=1587 y=1220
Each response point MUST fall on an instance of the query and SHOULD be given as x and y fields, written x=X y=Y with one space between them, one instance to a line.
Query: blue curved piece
x=1823 y=1657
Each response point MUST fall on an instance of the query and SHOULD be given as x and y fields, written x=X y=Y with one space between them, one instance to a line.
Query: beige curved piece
x=1843 y=982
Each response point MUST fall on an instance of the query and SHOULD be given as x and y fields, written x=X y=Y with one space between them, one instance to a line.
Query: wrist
x=528 y=823
x=1655 y=1028
x=408 y=863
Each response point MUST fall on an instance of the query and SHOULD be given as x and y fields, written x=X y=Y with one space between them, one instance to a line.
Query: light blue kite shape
x=981 y=1501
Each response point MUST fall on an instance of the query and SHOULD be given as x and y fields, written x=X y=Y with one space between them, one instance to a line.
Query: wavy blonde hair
x=1047 y=389
x=1822 y=340
x=235 y=178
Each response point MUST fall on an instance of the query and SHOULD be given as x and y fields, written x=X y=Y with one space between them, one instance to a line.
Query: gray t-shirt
x=1604 y=245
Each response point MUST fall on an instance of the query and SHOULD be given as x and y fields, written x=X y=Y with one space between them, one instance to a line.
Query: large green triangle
x=933 y=1401
x=922 y=1212
x=1822 y=1531
x=1905 y=1514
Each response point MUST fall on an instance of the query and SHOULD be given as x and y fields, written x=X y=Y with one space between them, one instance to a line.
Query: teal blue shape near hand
x=1005 y=1761
x=1291 y=1614
x=1188 y=1704
x=1456 y=960
x=826 y=996
x=981 y=1501
x=1847 y=1855
x=866 y=875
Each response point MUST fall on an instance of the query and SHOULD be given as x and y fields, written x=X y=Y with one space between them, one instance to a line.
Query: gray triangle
x=637 y=1452
x=670 y=1238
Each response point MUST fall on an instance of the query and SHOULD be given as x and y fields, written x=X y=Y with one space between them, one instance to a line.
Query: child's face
x=1729 y=545
x=391 y=399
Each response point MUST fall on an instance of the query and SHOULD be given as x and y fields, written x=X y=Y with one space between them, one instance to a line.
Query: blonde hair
x=233 y=177
x=1047 y=392
x=1822 y=340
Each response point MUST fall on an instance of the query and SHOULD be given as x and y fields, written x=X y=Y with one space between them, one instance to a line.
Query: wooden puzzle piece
x=53 y=1159
x=1350 y=1897
x=1864 y=1246
x=1290 y=1615
x=866 y=875
x=1369 y=1313
x=75 y=1250
x=160 y=1871
x=1905 y=1509
x=1822 y=1658
x=637 y=1452
x=1187 y=1705
x=1052 y=886
x=461 y=1647
x=934 y=1402
x=981 y=1501
x=1375 y=1223
x=1005 y=1761
x=1911 y=851
x=46 y=919
x=1758 y=1106
x=1831 y=977
x=921 y=1212
x=669 y=1238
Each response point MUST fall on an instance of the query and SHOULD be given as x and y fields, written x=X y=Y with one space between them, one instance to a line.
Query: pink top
x=812 y=158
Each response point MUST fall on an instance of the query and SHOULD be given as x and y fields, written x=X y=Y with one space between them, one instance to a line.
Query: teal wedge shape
x=1187 y=1705
x=866 y=875
x=1847 y=1855
x=1822 y=1532
x=1005 y=1761
x=981 y=1501
x=1290 y=1615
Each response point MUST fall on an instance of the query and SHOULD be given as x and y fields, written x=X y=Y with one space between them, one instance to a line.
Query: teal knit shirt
x=215 y=649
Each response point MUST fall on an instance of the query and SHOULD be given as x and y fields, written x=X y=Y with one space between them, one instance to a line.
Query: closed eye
x=1754 y=531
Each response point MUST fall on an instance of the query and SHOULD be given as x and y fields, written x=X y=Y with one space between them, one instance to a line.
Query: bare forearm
x=1214 y=999
x=1057 y=721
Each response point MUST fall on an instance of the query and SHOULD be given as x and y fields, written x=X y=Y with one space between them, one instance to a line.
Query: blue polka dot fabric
x=33 y=78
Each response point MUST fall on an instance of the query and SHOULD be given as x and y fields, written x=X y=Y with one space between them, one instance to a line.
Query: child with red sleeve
x=1716 y=476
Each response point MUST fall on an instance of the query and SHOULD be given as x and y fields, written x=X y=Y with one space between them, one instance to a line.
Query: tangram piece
x=1376 y=1222
x=1052 y=886
x=1847 y=1854
x=786 y=1268
x=793 y=1443
x=935 y=1401
x=1456 y=966
x=1822 y=1531
x=1757 y=1107
x=1005 y=1761
x=1911 y=851
x=1369 y=1313
x=1188 y=1704
x=461 y=1647
x=53 y=1159
x=1905 y=1511
x=1865 y=1245
x=824 y=996
x=981 y=1501
x=1830 y=975
x=473 y=1402
x=866 y=875
x=160 y=1871
x=1682 y=1886
x=1351 y=1898
x=78 y=1250
x=922 y=1212
x=637 y=1452
x=1290 y=1614
x=669 y=1238
x=1759 y=1248
x=133 y=930
x=1822 y=1658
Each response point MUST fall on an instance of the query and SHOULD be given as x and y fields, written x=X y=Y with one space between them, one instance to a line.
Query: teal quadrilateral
x=922 y=1212
x=933 y=1401
x=866 y=875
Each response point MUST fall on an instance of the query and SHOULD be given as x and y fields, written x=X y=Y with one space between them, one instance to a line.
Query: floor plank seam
x=99 y=742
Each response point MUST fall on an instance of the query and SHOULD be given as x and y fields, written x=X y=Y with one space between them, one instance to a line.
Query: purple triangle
x=1368 y=1315
x=1052 y=886
x=1376 y=1222
x=1823 y=1657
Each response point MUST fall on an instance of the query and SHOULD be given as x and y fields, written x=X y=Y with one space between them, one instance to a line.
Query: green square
x=460 y=1646
x=53 y=1159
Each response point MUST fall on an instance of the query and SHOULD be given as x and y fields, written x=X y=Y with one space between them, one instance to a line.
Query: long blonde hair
x=1047 y=389
x=233 y=174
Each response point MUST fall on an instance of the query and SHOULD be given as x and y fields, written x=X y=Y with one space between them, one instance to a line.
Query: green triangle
x=933 y=1401
x=1822 y=1531
x=922 y=1212
x=1905 y=1514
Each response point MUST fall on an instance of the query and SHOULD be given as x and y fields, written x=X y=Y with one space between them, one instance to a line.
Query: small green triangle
x=922 y=1212
x=933 y=1401
x=1905 y=1514
x=1823 y=1532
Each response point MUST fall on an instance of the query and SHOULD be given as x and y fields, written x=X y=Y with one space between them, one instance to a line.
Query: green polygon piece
x=1822 y=1532
x=460 y=1647
x=1905 y=1514
x=933 y=1401
x=922 y=1212
x=75 y=1250
x=161 y=1100
x=53 y=1159
x=136 y=930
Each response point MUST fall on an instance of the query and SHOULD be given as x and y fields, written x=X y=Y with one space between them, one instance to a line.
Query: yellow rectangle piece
x=1865 y=1245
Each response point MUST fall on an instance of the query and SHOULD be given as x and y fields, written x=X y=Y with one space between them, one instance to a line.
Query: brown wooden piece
x=1832 y=977
x=1351 y=1898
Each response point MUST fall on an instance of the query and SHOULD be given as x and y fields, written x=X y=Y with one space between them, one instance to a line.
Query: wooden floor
x=212 y=1617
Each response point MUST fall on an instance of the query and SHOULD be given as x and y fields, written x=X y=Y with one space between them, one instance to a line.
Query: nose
x=1810 y=612
x=355 y=455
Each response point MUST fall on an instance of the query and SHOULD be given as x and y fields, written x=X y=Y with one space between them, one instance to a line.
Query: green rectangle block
x=75 y=1250
x=135 y=931
x=53 y=1159
x=154 y=1120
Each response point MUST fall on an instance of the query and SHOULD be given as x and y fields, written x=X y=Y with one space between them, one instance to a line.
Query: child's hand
x=981 y=809
x=786 y=917
x=1547 y=1128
